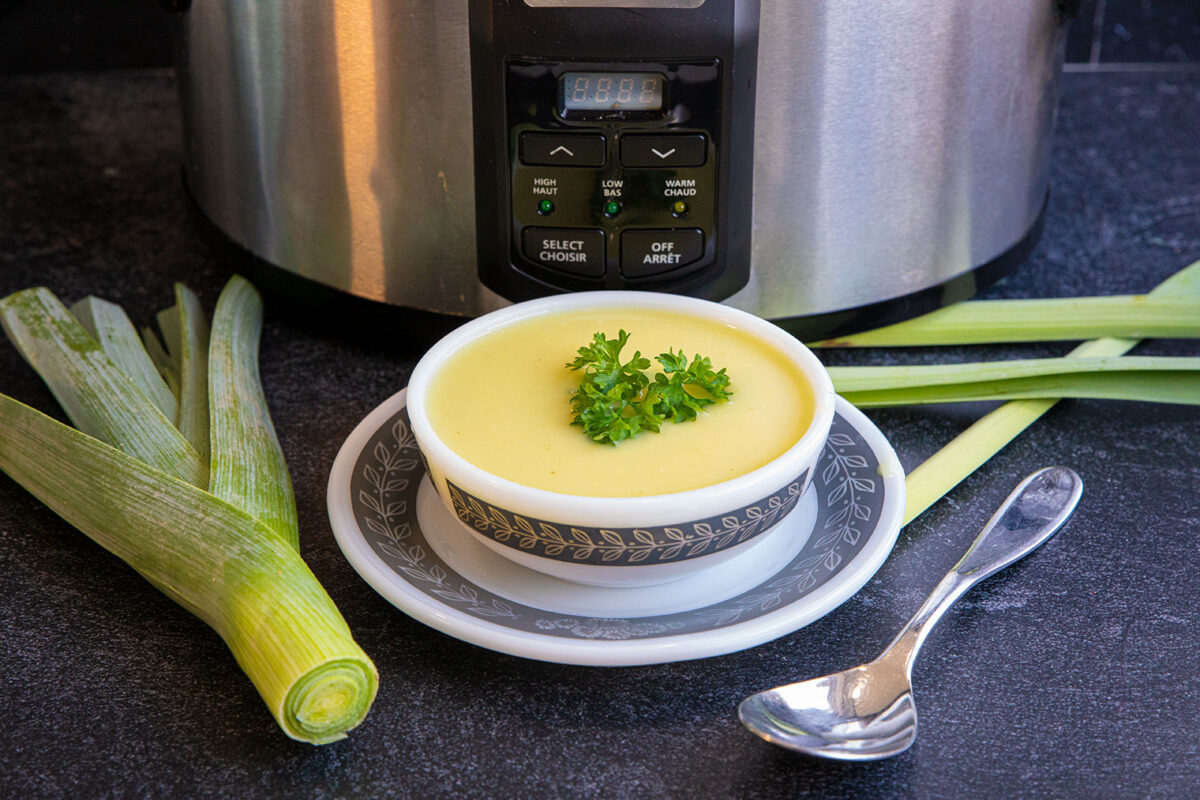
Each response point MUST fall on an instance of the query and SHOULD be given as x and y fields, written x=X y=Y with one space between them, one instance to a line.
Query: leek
x=112 y=330
x=1163 y=380
x=229 y=569
x=247 y=465
x=240 y=574
x=1042 y=320
x=968 y=451
x=97 y=396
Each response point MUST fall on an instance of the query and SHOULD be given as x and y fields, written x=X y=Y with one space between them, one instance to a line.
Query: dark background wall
x=1136 y=31
x=38 y=35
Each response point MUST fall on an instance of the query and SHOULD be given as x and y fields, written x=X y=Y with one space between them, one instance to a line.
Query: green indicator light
x=680 y=208
x=546 y=207
x=612 y=208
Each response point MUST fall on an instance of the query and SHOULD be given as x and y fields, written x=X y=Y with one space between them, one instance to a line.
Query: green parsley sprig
x=616 y=401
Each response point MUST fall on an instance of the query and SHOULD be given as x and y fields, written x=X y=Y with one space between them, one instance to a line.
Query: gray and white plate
x=403 y=541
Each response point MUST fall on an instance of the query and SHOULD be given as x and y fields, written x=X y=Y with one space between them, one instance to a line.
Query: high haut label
x=545 y=186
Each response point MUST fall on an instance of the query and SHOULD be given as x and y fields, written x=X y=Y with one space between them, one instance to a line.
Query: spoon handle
x=1033 y=513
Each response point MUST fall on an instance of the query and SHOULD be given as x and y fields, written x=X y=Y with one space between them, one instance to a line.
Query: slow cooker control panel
x=614 y=145
x=613 y=171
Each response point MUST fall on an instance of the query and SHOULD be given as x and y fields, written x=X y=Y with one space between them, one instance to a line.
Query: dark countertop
x=1075 y=673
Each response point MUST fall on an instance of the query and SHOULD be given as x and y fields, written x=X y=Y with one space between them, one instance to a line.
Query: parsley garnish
x=616 y=401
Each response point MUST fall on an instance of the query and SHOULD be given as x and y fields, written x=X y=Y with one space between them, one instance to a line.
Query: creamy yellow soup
x=503 y=403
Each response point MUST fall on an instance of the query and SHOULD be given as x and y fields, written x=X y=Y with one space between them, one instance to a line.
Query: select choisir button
x=576 y=250
x=646 y=253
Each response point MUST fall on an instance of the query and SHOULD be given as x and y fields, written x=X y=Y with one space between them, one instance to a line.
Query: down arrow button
x=638 y=150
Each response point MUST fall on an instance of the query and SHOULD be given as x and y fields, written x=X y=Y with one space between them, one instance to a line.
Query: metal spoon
x=867 y=713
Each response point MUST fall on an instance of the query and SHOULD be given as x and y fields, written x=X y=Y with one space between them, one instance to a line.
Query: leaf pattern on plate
x=609 y=629
x=394 y=468
x=658 y=545
x=389 y=471
x=849 y=486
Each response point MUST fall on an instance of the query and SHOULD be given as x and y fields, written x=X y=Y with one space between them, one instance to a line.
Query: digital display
x=612 y=91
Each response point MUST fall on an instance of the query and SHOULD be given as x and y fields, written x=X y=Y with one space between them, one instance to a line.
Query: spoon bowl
x=867 y=713
x=861 y=714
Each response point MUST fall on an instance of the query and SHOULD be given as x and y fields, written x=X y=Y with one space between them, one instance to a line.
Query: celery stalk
x=247 y=466
x=1162 y=380
x=97 y=396
x=224 y=566
x=111 y=328
x=972 y=448
x=1042 y=320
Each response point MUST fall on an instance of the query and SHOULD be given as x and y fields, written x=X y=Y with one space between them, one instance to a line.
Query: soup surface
x=503 y=403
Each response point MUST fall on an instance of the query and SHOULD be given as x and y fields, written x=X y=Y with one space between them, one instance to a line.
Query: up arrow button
x=563 y=150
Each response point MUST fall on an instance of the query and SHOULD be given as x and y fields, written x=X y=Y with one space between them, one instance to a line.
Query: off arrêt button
x=646 y=253
x=579 y=251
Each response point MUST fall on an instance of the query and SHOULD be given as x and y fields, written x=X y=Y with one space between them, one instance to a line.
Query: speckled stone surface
x=1075 y=673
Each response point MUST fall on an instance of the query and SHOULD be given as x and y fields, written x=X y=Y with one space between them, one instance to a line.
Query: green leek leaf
x=1162 y=380
x=97 y=396
x=1041 y=320
x=163 y=362
x=968 y=451
x=185 y=328
x=111 y=328
x=247 y=465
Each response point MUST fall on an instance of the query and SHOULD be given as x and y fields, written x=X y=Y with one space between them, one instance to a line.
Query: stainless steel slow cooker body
x=898 y=147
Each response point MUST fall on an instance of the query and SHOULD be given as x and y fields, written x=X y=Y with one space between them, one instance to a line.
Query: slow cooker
x=828 y=165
